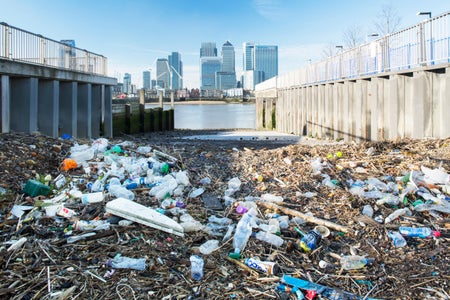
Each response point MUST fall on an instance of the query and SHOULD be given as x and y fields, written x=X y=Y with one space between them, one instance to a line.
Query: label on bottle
x=268 y=267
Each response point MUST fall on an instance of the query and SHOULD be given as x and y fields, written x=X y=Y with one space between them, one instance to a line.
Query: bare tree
x=328 y=50
x=388 y=20
x=353 y=37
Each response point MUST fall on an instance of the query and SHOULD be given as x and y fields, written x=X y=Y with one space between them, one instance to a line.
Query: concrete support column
x=360 y=111
x=328 y=111
x=441 y=90
x=5 y=103
x=347 y=94
x=418 y=103
x=68 y=98
x=107 y=112
x=337 y=90
x=48 y=107
x=96 y=109
x=84 y=105
x=394 y=107
x=24 y=109
x=376 y=106
x=320 y=110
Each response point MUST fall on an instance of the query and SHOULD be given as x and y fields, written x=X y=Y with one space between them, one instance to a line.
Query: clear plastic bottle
x=119 y=191
x=367 y=210
x=243 y=231
x=270 y=238
x=209 y=247
x=397 y=213
x=352 y=262
x=420 y=232
x=397 y=239
x=218 y=220
x=196 y=267
x=123 y=262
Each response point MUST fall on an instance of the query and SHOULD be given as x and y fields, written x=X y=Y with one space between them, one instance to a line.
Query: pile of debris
x=168 y=218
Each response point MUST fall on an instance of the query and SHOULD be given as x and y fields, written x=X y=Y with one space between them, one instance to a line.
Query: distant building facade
x=146 y=80
x=260 y=63
x=208 y=68
x=176 y=66
x=162 y=74
x=127 y=83
x=226 y=79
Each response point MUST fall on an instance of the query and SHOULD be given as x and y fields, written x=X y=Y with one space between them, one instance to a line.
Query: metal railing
x=20 y=45
x=424 y=44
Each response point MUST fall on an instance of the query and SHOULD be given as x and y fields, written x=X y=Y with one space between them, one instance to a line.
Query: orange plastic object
x=68 y=164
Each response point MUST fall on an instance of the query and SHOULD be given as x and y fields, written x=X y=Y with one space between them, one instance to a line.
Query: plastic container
x=35 y=188
x=221 y=221
x=310 y=241
x=123 y=262
x=196 y=267
x=243 y=231
x=270 y=238
x=352 y=262
x=119 y=191
x=83 y=225
x=420 y=232
x=397 y=239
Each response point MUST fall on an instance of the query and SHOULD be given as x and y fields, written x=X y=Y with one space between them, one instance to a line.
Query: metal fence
x=424 y=44
x=20 y=45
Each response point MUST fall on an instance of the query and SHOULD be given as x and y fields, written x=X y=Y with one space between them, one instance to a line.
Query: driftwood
x=308 y=218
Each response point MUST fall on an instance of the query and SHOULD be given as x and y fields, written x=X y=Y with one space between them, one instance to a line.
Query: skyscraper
x=146 y=80
x=209 y=65
x=228 y=57
x=260 y=64
x=176 y=66
x=208 y=49
x=162 y=73
x=127 y=83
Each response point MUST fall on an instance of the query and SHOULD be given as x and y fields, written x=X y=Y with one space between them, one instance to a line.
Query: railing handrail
x=36 y=49
x=421 y=46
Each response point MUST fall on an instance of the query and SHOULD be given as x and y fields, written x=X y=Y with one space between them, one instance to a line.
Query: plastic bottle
x=388 y=199
x=271 y=198
x=310 y=241
x=91 y=225
x=367 y=210
x=119 y=191
x=209 y=247
x=270 y=238
x=243 y=231
x=397 y=213
x=420 y=232
x=221 y=221
x=351 y=262
x=196 y=267
x=123 y=262
x=397 y=239
x=92 y=197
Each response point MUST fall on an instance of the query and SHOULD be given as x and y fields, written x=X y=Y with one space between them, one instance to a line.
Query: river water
x=213 y=116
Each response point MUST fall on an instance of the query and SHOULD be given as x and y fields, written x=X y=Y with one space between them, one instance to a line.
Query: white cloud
x=270 y=9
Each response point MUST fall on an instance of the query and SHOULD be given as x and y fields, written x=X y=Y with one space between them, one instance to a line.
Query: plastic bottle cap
x=436 y=233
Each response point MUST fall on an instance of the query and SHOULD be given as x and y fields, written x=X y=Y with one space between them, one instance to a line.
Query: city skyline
x=133 y=35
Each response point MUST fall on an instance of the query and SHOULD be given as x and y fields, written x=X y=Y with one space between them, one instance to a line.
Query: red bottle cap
x=437 y=233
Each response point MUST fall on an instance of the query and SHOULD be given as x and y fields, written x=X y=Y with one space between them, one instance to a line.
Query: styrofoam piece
x=139 y=213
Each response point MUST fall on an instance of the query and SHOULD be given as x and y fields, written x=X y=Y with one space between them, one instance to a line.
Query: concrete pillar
x=107 y=112
x=420 y=102
x=347 y=93
x=68 y=97
x=97 y=98
x=360 y=111
x=337 y=89
x=320 y=110
x=24 y=110
x=5 y=103
x=84 y=105
x=172 y=101
x=441 y=90
x=328 y=111
x=161 y=100
x=394 y=107
x=376 y=106
x=48 y=107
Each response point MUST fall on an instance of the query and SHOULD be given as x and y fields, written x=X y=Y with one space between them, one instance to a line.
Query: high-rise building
x=127 y=83
x=226 y=79
x=209 y=67
x=162 y=73
x=208 y=49
x=176 y=66
x=260 y=63
x=146 y=80
x=228 y=57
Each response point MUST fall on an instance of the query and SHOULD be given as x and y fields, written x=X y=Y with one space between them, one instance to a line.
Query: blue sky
x=133 y=34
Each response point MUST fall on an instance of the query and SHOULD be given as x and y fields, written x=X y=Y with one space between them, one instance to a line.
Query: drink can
x=310 y=241
x=268 y=267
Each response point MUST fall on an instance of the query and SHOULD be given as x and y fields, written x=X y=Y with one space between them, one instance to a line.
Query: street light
x=423 y=38
x=424 y=13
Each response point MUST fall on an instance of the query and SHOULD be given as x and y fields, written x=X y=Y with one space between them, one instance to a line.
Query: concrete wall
x=54 y=102
x=409 y=104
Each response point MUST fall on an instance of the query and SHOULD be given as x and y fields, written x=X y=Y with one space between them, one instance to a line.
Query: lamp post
x=423 y=39
x=371 y=36
x=341 y=49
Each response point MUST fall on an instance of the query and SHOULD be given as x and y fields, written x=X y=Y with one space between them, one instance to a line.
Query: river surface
x=213 y=116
